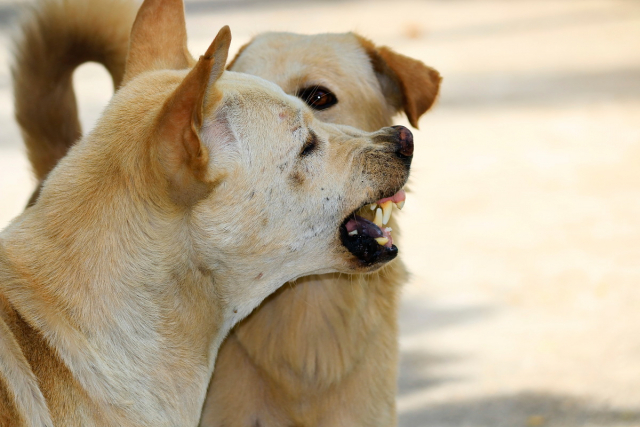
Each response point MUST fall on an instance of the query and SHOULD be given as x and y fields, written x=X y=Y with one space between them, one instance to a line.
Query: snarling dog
x=301 y=358
x=315 y=344
x=164 y=226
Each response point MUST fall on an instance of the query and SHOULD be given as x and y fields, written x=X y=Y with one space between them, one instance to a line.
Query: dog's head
x=263 y=185
x=344 y=78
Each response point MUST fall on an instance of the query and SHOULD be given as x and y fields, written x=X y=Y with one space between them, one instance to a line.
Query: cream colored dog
x=322 y=351
x=198 y=193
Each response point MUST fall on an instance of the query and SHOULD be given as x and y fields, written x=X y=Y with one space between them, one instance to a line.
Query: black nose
x=405 y=141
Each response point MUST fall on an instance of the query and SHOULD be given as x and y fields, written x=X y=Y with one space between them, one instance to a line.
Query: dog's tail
x=56 y=37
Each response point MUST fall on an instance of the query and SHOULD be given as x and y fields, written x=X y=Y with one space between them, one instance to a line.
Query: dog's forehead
x=338 y=62
x=284 y=54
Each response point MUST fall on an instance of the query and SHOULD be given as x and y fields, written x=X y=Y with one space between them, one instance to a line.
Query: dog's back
x=56 y=37
x=13 y=373
x=21 y=400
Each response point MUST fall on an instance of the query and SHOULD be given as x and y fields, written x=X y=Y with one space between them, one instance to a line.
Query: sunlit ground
x=523 y=228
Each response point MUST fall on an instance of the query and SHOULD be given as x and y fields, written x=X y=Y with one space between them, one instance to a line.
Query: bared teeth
x=378 y=218
x=384 y=211
x=387 y=208
x=382 y=241
x=353 y=233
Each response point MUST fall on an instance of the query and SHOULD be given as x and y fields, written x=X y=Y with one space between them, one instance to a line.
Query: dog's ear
x=407 y=83
x=183 y=158
x=158 y=39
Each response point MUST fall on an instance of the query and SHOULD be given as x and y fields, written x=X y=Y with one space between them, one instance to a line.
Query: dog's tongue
x=364 y=227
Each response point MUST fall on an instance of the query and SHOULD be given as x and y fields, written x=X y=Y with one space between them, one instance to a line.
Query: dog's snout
x=404 y=139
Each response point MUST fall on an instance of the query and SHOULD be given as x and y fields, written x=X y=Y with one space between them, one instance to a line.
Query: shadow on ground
x=423 y=317
x=419 y=371
x=419 y=368
x=553 y=89
x=526 y=409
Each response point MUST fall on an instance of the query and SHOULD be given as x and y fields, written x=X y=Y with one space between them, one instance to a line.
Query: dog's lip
x=398 y=197
x=364 y=246
x=366 y=240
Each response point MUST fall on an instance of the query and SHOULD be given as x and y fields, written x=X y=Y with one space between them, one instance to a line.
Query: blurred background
x=522 y=231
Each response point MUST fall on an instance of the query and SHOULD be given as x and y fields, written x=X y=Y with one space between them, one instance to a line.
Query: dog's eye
x=310 y=145
x=318 y=97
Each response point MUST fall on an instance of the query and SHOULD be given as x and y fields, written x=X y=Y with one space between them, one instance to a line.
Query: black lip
x=365 y=248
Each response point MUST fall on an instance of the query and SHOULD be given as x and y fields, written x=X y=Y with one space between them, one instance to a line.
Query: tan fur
x=19 y=390
x=320 y=351
x=58 y=36
x=418 y=84
x=167 y=224
x=317 y=325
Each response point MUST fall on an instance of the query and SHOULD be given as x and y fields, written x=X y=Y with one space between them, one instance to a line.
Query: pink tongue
x=400 y=196
x=368 y=228
x=364 y=227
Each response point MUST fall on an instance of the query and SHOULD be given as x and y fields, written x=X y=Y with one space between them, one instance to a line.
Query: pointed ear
x=406 y=82
x=183 y=158
x=158 y=39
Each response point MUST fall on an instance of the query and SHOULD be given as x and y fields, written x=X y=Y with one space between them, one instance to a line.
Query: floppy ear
x=158 y=39
x=406 y=82
x=182 y=156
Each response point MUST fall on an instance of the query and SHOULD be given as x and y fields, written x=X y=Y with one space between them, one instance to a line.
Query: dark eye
x=317 y=97
x=310 y=145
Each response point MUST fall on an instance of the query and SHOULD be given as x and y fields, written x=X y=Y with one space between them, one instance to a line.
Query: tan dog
x=198 y=193
x=313 y=346
x=323 y=352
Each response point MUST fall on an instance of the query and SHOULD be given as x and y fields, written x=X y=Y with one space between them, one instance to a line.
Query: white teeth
x=383 y=212
x=353 y=233
x=382 y=241
x=388 y=230
x=387 y=208
x=378 y=219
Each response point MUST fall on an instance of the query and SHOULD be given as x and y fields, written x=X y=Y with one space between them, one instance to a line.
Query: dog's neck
x=122 y=299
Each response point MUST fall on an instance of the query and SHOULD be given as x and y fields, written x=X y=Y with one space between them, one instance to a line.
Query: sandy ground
x=523 y=228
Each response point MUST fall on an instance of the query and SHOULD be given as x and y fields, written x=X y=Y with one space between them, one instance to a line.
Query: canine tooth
x=387 y=208
x=382 y=241
x=399 y=205
x=353 y=232
x=378 y=219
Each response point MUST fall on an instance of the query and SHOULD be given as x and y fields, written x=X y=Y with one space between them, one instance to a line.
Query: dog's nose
x=405 y=141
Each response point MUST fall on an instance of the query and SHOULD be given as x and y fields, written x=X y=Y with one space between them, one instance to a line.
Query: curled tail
x=55 y=37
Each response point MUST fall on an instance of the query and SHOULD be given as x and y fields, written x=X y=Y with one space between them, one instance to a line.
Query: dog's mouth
x=370 y=240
